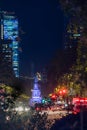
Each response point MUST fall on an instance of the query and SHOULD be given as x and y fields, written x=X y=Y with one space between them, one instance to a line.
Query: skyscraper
x=9 y=31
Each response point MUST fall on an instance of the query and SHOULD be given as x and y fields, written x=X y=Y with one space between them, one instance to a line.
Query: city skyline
x=42 y=24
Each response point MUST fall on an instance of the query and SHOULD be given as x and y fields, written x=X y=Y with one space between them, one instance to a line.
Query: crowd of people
x=35 y=122
x=40 y=121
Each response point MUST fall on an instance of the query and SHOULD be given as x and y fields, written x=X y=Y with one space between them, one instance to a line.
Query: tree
x=76 y=12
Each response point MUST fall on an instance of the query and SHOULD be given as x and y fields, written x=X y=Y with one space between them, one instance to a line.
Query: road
x=56 y=114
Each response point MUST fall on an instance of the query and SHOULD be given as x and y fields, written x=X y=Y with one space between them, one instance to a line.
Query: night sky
x=43 y=23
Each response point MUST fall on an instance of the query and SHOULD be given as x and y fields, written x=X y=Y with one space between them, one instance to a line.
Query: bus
x=79 y=103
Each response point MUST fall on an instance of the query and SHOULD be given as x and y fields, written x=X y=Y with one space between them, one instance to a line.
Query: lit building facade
x=72 y=35
x=9 y=31
x=6 y=51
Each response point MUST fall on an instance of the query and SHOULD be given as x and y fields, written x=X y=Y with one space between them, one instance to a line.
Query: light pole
x=81 y=118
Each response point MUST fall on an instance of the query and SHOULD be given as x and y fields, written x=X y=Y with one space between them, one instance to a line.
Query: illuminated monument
x=36 y=93
x=9 y=30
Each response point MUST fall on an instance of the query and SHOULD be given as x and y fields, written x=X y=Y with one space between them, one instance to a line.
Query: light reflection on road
x=56 y=114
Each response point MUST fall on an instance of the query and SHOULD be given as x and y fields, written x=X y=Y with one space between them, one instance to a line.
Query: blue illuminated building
x=36 y=93
x=10 y=31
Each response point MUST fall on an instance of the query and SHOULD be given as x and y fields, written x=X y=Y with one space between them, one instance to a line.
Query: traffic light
x=53 y=96
x=43 y=101
x=62 y=92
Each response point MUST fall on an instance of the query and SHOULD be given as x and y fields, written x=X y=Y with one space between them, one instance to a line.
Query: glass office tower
x=9 y=31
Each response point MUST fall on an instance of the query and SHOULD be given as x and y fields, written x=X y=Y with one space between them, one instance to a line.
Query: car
x=55 y=108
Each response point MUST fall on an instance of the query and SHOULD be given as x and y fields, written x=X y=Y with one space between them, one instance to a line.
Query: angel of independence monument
x=36 y=93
